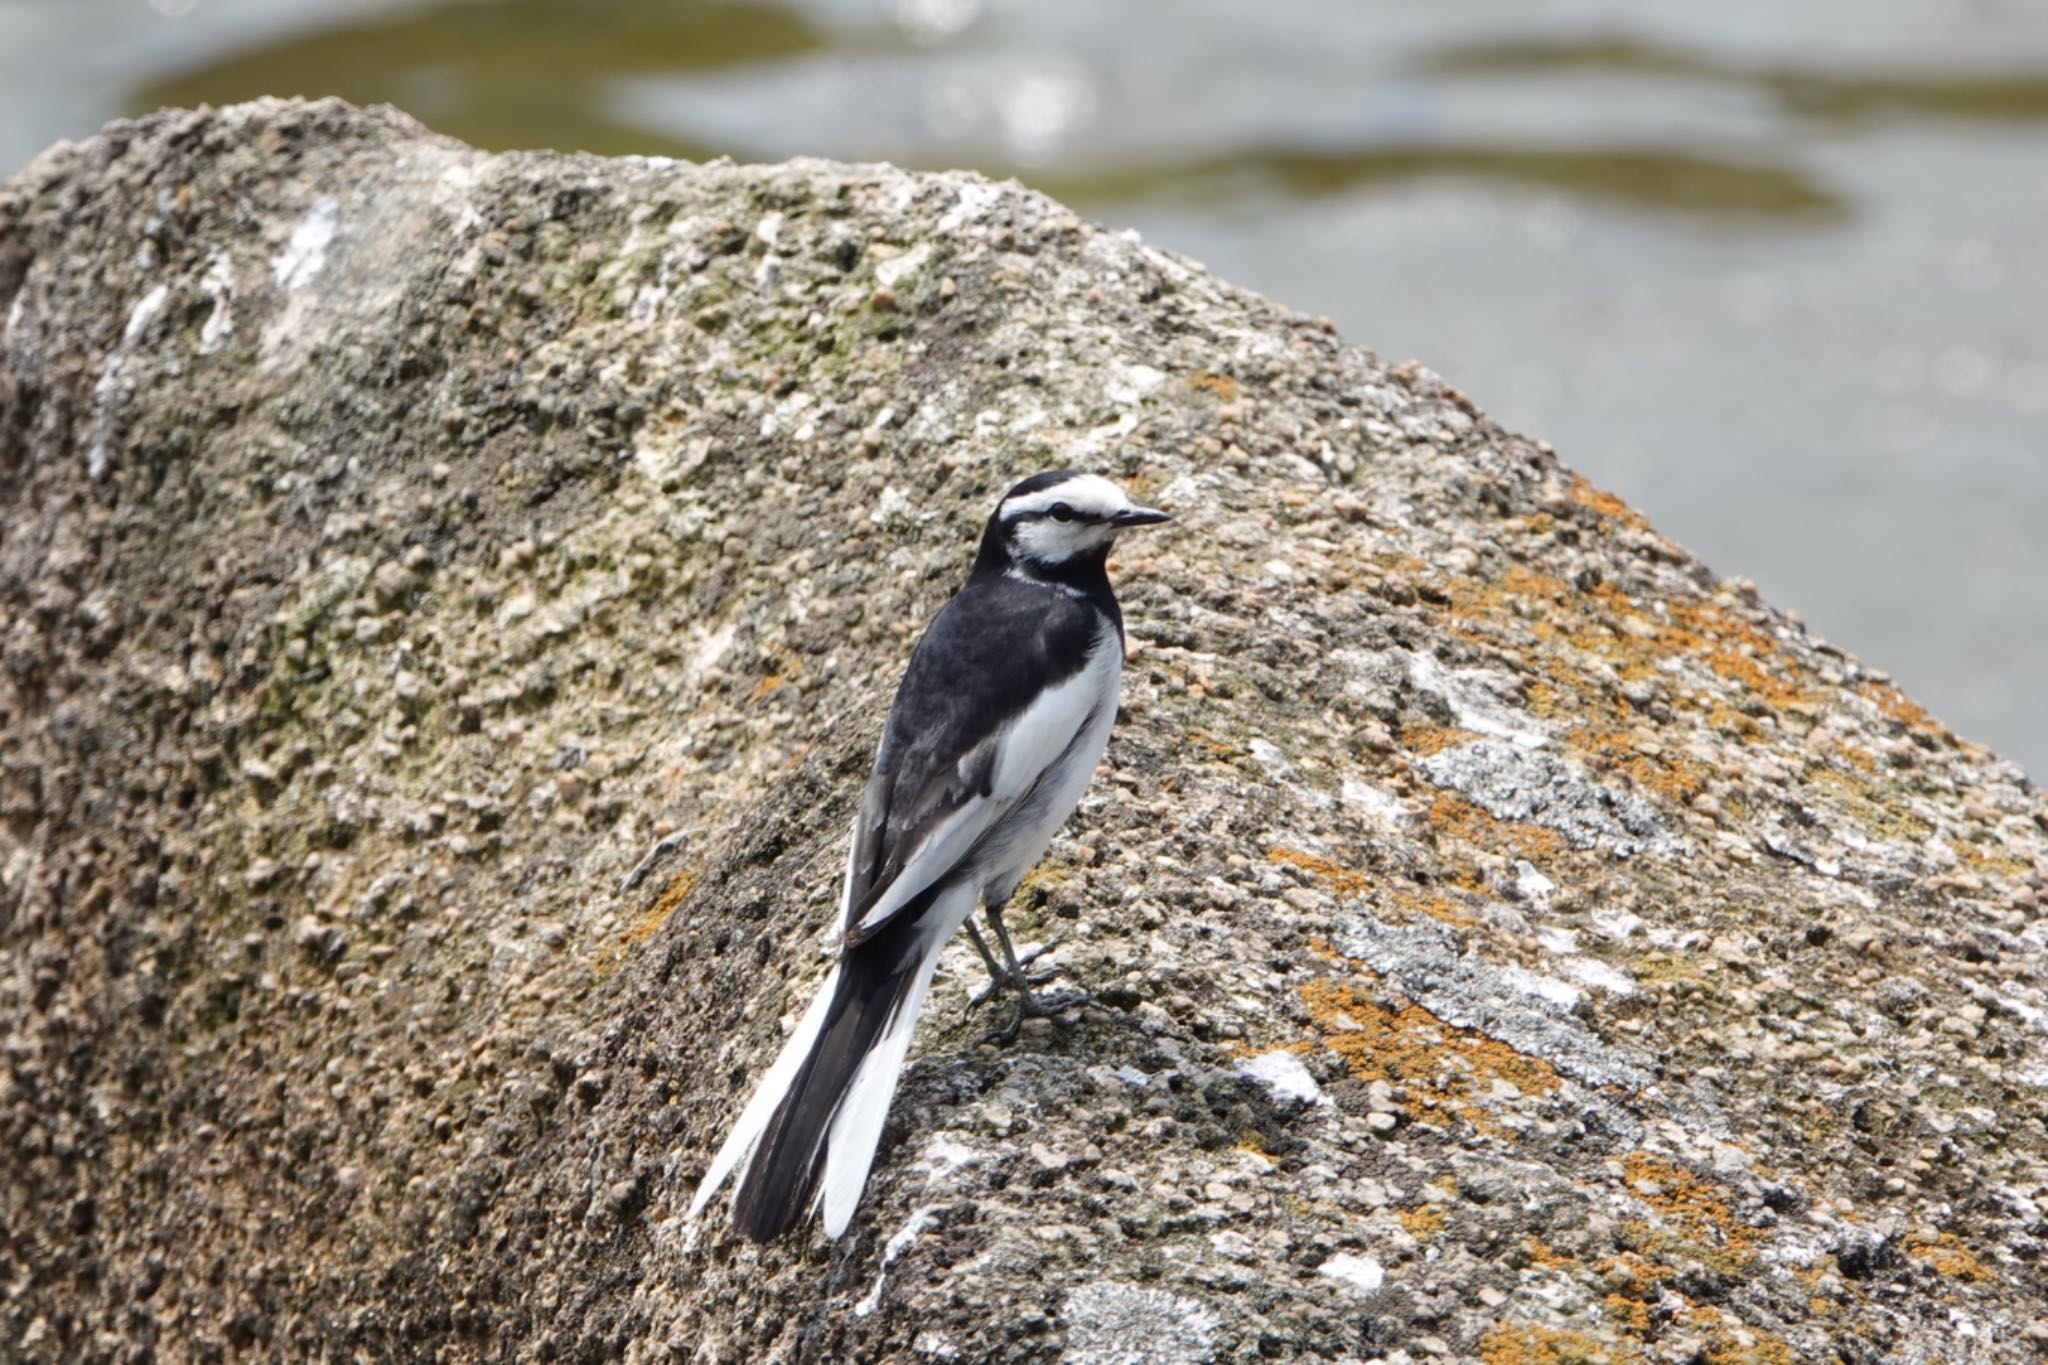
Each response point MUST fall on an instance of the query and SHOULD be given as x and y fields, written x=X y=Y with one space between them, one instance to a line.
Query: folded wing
x=957 y=762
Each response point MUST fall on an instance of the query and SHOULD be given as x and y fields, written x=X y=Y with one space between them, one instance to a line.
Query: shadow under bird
x=998 y=725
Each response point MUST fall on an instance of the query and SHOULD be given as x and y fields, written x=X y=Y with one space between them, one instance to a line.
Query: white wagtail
x=997 y=727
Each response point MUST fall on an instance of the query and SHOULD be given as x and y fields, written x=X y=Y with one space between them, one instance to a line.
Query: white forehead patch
x=1090 y=495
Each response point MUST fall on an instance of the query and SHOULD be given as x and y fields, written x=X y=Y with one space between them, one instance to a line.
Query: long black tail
x=779 y=1182
x=809 y=1132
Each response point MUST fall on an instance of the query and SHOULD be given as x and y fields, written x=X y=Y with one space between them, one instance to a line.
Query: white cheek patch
x=1054 y=542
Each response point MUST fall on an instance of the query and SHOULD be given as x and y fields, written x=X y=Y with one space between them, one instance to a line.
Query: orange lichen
x=1902 y=708
x=1440 y=908
x=1632 y=1315
x=1997 y=864
x=1518 y=580
x=1342 y=880
x=1738 y=651
x=1606 y=504
x=1739 y=725
x=1671 y=776
x=1408 y=1045
x=1758 y=1350
x=1948 y=1256
x=1421 y=1222
x=1691 y=1205
x=1634 y=1275
x=648 y=924
x=1526 y=1343
x=1222 y=385
x=1456 y=818
x=794 y=669
x=1732 y=1344
x=1637 y=1283
x=1604 y=621
x=1547 y=701
x=1218 y=748
x=1434 y=739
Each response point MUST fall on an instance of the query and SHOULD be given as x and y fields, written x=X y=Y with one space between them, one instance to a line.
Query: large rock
x=1509 y=941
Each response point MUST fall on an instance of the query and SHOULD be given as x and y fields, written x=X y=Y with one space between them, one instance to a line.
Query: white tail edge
x=857 y=1127
x=739 y=1144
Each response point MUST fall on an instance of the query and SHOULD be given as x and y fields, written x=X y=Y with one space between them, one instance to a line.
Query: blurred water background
x=1776 y=273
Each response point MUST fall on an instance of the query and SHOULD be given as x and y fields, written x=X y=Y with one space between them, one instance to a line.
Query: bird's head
x=1059 y=522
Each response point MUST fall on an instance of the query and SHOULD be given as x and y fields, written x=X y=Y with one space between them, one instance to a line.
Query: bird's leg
x=1012 y=974
x=998 y=976
x=1001 y=976
x=1010 y=958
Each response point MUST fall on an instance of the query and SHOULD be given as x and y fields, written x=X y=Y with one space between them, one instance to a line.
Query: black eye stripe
x=1059 y=511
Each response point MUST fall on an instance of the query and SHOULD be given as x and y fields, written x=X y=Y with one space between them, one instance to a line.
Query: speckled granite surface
x=398 y=541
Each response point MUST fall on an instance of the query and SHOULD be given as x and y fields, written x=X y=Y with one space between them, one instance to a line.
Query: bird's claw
x=1031 y=1006
x=1008 y=982
x=1010 y=974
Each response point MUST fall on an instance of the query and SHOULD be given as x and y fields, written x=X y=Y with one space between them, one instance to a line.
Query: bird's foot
x=1031 y=1006
x=1003 y=981
x=1008 y=974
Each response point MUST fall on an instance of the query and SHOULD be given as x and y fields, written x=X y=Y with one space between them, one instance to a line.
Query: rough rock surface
x=1508 y=940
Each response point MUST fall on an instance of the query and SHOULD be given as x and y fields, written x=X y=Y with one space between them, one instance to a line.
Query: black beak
x=1139 y=516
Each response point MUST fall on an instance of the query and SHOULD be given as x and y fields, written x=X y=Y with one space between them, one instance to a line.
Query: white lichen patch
x=1284 y=1075
x=1268 y=756
x=1377 y=805
x=304 y=256
x=1533 y=1014
x=1132 y=383
x=897 y=269
x=944 y=1155
x=1112 y=1323
x=1532 y=887
x=975 y=199
x=1360 y=1273
x=218 y=284
x=1601 y=976
x=1481 y=700
x=1549 y=989
x=107 y=391
x=896 y=1246
x=1538 y=788
x=144 y=313
x=1281 y=769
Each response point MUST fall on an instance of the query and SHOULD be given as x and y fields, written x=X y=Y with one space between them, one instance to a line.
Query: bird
x=1000 y=720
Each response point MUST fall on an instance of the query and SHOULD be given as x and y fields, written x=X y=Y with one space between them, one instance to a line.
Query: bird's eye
x=1061 y=512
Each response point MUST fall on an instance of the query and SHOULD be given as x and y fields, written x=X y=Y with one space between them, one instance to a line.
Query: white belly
x=1016 y=848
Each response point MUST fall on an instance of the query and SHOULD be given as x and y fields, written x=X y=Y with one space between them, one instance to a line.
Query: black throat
x=1085 y=576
